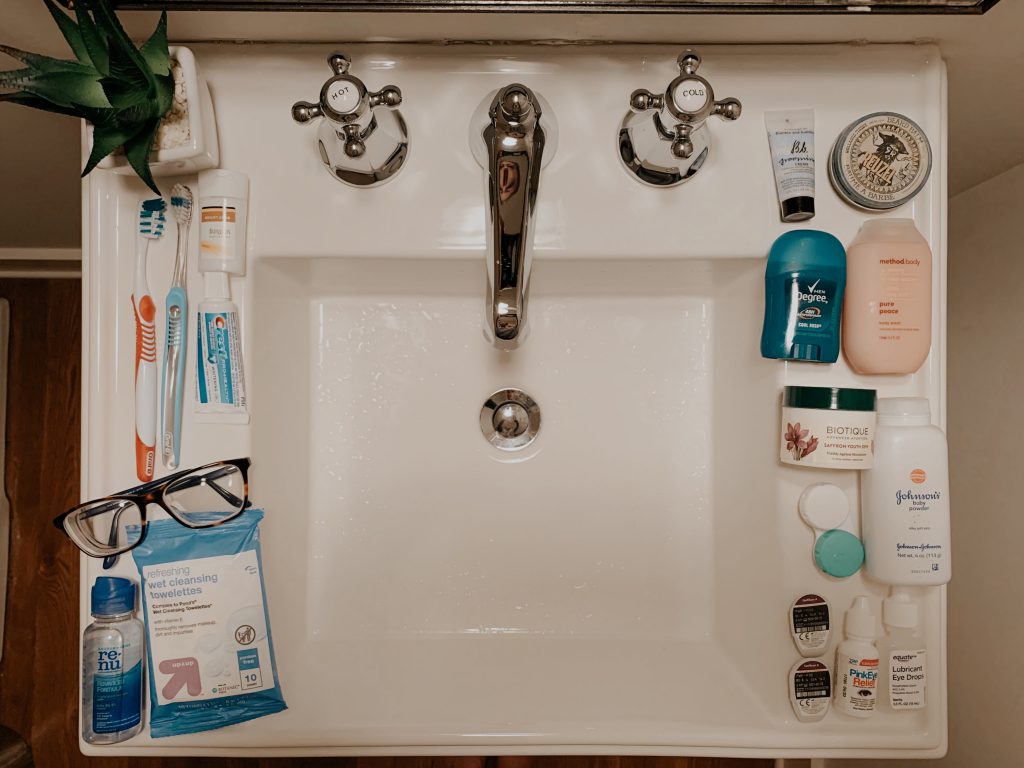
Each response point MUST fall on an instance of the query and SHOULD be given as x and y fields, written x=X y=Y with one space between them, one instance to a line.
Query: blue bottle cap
x=805 y=250
x=839 y=553
x=112 y=595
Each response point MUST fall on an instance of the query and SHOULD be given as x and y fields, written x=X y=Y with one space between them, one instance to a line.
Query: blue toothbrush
x=177 y=334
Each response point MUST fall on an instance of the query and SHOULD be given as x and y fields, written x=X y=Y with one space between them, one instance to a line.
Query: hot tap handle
x=304 y=111
x=339 y=63
x=389 y=96
x=344 y=98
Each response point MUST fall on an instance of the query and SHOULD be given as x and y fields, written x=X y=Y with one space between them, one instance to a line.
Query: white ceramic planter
x=201 y=151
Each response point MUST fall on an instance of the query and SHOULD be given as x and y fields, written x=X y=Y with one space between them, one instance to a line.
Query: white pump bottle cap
x=899 y=610
x=860 y=621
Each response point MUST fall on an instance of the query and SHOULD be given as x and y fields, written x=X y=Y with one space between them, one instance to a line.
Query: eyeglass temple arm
x=111 y=560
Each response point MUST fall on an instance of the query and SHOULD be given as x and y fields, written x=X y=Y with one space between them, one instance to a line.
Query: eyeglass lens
x=208 y=496
x=106 y=525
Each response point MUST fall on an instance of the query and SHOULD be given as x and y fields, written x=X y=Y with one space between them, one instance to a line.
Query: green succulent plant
x=122 y=90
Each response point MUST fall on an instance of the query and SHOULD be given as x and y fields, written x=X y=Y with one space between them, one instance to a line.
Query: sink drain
x=510 y=419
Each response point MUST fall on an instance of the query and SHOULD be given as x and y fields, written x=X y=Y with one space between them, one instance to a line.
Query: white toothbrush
x=151 y=226
x=177 y=334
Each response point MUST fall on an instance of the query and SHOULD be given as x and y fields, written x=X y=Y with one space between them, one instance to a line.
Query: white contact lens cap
x=824 y=506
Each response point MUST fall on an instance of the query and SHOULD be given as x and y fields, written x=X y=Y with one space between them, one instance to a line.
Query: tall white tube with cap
x=220 y=375
x=791 y=140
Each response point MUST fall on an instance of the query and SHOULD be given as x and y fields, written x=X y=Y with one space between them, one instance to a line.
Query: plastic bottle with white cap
x=220 y=376
x=905 y=497
x=857 y=662
x=903 y=654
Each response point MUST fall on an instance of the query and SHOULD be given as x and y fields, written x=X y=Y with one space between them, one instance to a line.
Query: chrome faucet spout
x=514 y=140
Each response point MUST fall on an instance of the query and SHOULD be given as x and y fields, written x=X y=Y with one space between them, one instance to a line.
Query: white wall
x=986 y=429
x=40 y=197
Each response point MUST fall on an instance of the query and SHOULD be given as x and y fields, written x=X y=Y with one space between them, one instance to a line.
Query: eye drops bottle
x=857 y=662
x=112 y=665
x=904 y=656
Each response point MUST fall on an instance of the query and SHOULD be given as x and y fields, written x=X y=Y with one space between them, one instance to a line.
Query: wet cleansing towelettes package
x=208 y=643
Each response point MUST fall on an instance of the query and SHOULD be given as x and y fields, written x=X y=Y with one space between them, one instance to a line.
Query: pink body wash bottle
x=887 y=312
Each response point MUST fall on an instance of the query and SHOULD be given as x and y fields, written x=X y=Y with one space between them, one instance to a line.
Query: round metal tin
x=880 y=161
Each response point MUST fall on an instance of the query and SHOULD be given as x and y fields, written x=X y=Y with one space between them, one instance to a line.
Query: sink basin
x=583 y=574
x=572 y=592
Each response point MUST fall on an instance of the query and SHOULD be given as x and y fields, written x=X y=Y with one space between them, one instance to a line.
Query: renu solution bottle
x=112 y=664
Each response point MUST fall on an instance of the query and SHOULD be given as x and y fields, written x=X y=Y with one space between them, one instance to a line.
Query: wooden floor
x=38 y=675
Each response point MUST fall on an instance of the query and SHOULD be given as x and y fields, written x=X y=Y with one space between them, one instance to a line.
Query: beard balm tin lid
x=880 y=161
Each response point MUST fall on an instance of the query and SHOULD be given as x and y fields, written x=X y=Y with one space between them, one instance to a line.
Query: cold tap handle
x=728 y=109
x=690 y=97
x=689 y=62
x=663 y=139
x=642 y=100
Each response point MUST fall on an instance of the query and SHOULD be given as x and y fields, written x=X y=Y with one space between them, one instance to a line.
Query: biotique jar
x=828 y=427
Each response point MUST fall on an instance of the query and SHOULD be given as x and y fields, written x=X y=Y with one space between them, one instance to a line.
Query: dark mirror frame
x=849 y=7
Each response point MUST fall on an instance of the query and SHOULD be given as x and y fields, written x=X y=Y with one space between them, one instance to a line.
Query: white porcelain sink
x=466 y=574
x=618 y=586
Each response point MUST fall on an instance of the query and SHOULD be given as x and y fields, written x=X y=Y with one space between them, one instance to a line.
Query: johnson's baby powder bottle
x=887 y=313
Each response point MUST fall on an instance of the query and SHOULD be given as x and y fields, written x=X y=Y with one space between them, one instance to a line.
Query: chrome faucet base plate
x=383 y=157
x=654 y=168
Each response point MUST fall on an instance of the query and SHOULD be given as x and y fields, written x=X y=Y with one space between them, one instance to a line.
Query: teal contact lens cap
x=839 y=553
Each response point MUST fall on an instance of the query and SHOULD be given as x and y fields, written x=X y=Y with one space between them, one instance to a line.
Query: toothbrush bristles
x=181 y=203
x=152 y=217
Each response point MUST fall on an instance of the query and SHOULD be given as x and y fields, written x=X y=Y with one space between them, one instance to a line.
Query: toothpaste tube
x=220 y=376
